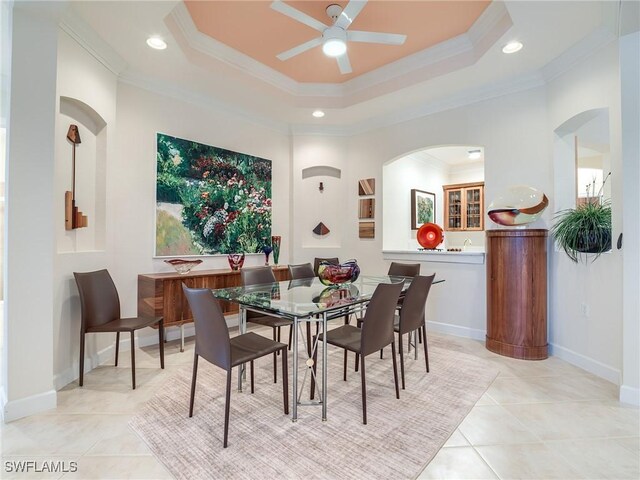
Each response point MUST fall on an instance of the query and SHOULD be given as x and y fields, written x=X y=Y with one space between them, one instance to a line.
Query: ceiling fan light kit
x=334 y=37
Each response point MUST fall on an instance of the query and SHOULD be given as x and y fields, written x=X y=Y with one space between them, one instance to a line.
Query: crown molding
x=201 y=100
x=88 y=39
x=437 y=60
x=577 y=53
x=218 y=50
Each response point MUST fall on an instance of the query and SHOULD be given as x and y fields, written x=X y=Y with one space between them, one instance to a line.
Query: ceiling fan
x=334 y=37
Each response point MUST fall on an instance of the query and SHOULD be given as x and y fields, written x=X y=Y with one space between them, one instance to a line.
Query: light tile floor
x=538 y=420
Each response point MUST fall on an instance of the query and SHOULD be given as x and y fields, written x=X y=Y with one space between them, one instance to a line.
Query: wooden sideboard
x=517 y=293
x=160 y=294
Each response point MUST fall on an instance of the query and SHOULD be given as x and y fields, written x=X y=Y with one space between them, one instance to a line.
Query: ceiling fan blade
x=350 y=13
x=343 y=64
x=376 y=37
x=300 y=49
x=297 y=15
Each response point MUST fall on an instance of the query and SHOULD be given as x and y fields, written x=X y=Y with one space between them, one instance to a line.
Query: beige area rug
x=401 y=436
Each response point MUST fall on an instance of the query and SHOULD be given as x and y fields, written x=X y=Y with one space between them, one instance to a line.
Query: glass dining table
x=305 y=300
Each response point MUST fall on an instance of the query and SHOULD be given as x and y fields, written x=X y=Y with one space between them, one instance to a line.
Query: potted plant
x=586 y=228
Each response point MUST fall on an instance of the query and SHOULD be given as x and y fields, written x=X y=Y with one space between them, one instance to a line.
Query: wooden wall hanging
x=73 y=218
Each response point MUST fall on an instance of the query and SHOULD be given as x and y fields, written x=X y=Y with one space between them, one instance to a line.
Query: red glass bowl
x=430 y=235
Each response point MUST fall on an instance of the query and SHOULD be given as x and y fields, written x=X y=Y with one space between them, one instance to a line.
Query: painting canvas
x=210 y=200
x=423 y=208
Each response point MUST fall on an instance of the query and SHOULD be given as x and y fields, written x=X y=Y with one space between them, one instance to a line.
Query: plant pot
x=590 y=244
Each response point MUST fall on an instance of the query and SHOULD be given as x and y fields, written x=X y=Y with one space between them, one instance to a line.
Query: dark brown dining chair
x=215 y=346
x=412 y=316
x=301 y=271
x=317 y=261
x=405 y=270
x=100 y=312
x=258 y=276
x=376 y=333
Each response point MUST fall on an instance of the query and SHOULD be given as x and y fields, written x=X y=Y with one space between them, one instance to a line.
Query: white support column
x=29 y=232
x=630 y=98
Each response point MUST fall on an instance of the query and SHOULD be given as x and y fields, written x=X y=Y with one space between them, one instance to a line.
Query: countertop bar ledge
x=441 y=257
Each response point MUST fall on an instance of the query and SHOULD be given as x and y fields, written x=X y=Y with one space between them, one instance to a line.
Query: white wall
x=595 y=341
x=400 y=176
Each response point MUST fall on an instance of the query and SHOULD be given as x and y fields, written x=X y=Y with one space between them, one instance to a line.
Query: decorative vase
x=183 y=266
x=267 y=251
x=276 y=240
x=236 y=260
x=338 y=274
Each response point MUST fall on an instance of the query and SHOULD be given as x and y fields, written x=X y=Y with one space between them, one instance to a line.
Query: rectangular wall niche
x=210 y=200
x=367 y=229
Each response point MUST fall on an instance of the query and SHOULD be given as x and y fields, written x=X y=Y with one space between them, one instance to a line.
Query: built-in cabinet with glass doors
x=464 y=206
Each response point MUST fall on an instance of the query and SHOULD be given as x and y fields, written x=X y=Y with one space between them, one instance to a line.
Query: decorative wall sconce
x=73 y=218
x=321 y=187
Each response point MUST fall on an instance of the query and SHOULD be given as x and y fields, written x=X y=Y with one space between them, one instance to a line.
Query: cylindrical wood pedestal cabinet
x=517 y=293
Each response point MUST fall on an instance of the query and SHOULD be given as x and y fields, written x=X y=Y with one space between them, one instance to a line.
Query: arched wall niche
x=90 y=185
x=580 y=142
x=426 y=169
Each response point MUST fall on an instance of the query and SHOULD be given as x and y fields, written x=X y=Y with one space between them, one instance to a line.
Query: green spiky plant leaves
x=584 y=229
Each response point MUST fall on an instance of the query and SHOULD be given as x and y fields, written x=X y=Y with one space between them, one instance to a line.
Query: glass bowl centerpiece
x=346 y=272
x=183 y=266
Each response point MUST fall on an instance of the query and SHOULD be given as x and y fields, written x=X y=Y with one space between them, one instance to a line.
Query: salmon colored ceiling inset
x=253 y=28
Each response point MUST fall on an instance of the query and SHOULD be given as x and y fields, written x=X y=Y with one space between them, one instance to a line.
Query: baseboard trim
x=457 y=330
x=589 y=364
x=15 y=409
x=630 y=395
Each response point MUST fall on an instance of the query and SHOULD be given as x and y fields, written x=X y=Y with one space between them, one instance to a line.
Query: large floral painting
x=210 y=200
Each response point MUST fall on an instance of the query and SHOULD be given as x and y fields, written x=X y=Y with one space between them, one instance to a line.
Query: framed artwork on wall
x=367 y=208
x=423 y=208
x=367 y=230
x=210 y=200
x=367 y=186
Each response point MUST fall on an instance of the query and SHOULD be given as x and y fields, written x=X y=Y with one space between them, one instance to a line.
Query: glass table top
x=306 y=297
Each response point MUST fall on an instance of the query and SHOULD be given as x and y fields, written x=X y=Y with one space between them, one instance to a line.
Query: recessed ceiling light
x=318 y=113
x=474 y=154
x=156 y=42
x=512 y=47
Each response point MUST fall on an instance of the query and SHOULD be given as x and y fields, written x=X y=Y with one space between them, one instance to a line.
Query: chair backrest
x=257 y=276
x=377 y=325
x=316 y=263
x=212 y=334
x=413 y=306
x=404 y=269
x=99 y=301
x=304 y=270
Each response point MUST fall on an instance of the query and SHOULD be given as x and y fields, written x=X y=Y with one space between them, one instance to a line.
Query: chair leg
x=251 y=369
x=419 y=335
x=381 y=350
x=81 y=373
x=226 y=409
x=357 y=362
x=193 y=384
x=364 y=391
x=395 y=368
x=426 y=351
x=285 y=381
x=275 y=358
x=161 y=341
x=133 y=361
x=401 y=358
x=344 y=373
x=278 y=352
x=290 y=336
x=117 y=346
